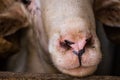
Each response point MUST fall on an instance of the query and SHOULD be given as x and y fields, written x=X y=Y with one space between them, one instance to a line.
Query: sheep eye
x=26 y=2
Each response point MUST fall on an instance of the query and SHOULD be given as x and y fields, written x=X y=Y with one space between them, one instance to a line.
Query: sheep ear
x=13 y=19
x=108 y=12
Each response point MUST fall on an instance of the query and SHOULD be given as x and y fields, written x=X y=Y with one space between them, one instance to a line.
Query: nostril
x=81 y=52
x=88 y=42
x=26 y=2
x=66 y=44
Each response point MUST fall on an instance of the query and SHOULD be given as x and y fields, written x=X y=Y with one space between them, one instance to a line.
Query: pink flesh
x=79 y=45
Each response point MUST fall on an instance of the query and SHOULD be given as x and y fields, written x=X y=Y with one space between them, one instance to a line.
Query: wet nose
x=79 y=54
x=77 y=49
x=67 y=45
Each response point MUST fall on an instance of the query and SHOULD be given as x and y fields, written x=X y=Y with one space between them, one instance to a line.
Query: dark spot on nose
x=66 y=44
x=88 y=42
x=26 y=2
x=79 y=54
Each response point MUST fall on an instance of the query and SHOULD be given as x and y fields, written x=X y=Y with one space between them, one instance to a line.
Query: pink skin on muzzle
x=73 y=50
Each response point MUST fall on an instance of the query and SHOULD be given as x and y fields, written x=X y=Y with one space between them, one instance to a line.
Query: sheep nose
x=79 y=54
x=66 y=44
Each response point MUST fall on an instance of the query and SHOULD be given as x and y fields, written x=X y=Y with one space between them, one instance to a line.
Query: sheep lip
x=78 y=67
